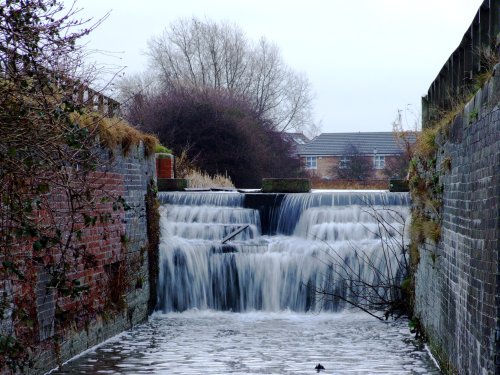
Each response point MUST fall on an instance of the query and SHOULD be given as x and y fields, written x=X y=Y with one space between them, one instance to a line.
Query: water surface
x=209 y=342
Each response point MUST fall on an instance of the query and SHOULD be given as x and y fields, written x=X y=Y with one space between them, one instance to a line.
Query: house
x=295 y=140
x=354 y=156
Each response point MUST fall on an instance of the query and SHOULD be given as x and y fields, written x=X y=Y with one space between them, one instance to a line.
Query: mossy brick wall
x=458 y=280
x=123 y=238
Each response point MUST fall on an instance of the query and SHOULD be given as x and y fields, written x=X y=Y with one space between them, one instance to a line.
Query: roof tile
x=366 y=143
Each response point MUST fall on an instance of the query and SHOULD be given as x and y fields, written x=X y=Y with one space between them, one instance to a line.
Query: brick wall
x=458 y=281
x=165 y=165
x=119 y=249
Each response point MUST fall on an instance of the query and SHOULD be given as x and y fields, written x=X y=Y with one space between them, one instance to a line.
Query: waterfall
x=322 y=240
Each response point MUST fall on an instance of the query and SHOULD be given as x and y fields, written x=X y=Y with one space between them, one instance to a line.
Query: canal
x=258 y=284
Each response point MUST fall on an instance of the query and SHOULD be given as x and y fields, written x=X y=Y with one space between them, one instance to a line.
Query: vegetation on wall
x=425 y=172
x=115 y=133
x=187 y=169
x=405 y=131
x=426 y=190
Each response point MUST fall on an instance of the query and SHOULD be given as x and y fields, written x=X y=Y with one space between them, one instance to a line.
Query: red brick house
x=367 y=155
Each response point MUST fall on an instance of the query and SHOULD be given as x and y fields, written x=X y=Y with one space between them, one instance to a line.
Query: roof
x=365 y=143
x=298 y=138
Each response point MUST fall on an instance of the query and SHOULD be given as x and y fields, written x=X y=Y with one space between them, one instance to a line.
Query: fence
x=14 y=63
x=465 y=64
x=97 y=101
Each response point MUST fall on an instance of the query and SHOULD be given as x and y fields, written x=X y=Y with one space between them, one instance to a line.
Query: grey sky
x=365 y=58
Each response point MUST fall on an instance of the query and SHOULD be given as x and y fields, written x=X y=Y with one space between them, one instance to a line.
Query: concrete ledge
x=172 y=184
x=286 y=185
x=398 y=186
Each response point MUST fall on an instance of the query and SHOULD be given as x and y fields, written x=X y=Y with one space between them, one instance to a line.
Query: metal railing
x=466 y=63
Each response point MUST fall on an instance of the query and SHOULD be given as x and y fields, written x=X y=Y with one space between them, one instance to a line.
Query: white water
x=330 y=234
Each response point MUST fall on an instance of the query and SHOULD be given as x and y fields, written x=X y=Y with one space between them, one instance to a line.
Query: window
x=344 y=162
x=311 y=162
x=378 y=161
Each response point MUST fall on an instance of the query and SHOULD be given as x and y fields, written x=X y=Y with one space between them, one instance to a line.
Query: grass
x=446 y=164
x=160 y=149
x=199 y=179
x=116 y=132
x=426 y=146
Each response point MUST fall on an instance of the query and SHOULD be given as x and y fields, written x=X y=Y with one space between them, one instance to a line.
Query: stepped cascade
x=319 y=241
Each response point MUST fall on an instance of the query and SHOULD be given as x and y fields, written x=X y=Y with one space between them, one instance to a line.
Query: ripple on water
x=204 y=342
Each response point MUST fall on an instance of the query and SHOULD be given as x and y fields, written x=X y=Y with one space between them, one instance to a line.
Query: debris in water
x=319 y=367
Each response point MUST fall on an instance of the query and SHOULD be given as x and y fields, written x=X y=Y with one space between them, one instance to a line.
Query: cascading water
x=323 y=241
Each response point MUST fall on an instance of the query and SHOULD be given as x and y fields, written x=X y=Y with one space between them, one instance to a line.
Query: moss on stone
x=286 y=185
x=398 y=186
x=164 y=155
x=172 y=184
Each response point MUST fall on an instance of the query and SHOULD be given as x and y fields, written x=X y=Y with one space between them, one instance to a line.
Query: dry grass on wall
x=116 y=132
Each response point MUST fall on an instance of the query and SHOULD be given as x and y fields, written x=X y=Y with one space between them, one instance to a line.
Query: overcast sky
x=365 y=59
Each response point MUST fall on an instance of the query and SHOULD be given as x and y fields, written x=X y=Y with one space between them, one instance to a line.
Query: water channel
x=251 y=305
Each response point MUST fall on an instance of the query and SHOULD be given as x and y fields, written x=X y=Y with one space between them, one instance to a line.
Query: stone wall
x=120 y=247
x=466 y=64
x=458 y=280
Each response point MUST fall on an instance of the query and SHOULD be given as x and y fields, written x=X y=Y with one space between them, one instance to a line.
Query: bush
x=218 y=133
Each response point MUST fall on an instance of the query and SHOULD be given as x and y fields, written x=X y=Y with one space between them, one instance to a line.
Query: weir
x=297 y=251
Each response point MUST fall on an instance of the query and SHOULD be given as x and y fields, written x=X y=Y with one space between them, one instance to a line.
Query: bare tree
x=201 y=54
x=376 y=282
x=135 y=92
x=405 y=129
x=353 y=165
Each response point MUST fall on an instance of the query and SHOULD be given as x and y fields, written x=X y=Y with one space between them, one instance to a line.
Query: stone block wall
x=458 y=280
